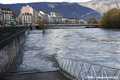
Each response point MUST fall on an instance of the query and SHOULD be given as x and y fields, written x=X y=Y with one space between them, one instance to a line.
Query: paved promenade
x=56 y=75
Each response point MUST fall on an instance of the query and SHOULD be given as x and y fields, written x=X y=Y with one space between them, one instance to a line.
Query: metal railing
x=8 y=34
x=83 y=70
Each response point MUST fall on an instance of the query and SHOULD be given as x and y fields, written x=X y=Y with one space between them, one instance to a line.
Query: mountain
x=102 y=5
x=68 y=10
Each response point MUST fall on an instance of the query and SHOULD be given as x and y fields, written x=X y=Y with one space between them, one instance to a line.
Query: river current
x=100 y=46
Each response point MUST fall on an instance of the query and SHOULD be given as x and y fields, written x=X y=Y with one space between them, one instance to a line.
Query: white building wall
x=26 y=19
x=27 y=9
x=44 y=16
x=30 y=13
x=5 y=15
x=57 y=18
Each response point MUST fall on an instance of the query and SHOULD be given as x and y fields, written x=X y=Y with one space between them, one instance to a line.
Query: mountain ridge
x=66 y=9
x=102 y=6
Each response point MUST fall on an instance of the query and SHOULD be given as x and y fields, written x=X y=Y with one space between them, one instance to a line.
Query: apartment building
x=26 y=18
x=73 y=21
x=64 y=20
x=5 y=15
x=44 y=16
x=28 y=15
x=81 y=21
x=57 y=17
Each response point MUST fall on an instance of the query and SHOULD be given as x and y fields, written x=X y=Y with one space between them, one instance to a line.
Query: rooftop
x=7 y=9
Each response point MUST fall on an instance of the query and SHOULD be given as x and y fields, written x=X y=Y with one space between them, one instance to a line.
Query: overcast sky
x=26 y=1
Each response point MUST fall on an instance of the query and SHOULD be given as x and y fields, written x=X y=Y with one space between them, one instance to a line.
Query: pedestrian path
x=56 y=75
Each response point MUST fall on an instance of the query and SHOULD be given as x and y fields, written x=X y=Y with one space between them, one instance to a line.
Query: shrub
x=110 y=19
x=92 y=20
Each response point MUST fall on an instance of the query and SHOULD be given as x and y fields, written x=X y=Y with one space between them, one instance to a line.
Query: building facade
x=81 y=21
x=44 y=16
x=26 y=18
x=73 y=21
x=5 y=15
x=35 y=16
x=28 y=15
x=57 y=17
x=64 y=20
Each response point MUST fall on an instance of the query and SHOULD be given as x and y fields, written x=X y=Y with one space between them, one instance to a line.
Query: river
x=100 y=46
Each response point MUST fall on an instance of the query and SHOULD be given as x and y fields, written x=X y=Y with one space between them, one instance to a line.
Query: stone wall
x=11 y=55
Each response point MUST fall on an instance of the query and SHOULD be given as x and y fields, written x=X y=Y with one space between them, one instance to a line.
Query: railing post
x=68 y=64
x=99 y=71
x=94 y=72
x=65 y=65
x=80 y=70
x=105 y=74
x=115 y=74
x=75 y=68
x=62 y=63
x=102 y=73
x=118 y=75
x=88 y=70
x=71 y=68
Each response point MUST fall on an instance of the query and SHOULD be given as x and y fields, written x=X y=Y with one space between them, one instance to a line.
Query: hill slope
x=102 y=5
x=66 y=9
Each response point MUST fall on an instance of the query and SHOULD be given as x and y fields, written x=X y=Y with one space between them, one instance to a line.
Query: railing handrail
x=7 y=40
x=73 y=24
x=89 y=63
x=85 y=69
x=68 y=24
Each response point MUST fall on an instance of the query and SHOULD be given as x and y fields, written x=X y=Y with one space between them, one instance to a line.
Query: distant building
x=35 y=16
x=26 y=18
x=5 y=15
x=73 y=21
x=56 y=17
x=64 y=20
x=28 y=15
x=43 y=15
x=81 y=21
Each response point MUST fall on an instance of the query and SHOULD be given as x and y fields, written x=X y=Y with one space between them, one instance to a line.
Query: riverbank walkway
x=52 y=75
